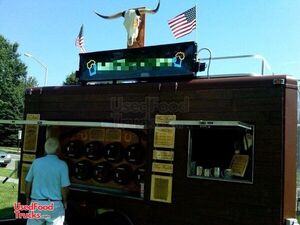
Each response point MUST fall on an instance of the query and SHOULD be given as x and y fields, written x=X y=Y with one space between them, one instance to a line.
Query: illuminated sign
x=139 y=63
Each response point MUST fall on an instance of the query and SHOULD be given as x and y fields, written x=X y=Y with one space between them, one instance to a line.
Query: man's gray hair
x=51 y=145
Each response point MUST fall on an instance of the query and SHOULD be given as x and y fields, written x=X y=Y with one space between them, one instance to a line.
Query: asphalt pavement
x=11 y=166
x=10 y=180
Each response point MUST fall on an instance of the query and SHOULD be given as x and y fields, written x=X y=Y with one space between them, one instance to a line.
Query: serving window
x=220 y=150
x=102 y=157
x=105 y=160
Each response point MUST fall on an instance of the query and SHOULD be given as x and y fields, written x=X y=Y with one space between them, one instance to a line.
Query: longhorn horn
x=147 y=10
x=117 y=15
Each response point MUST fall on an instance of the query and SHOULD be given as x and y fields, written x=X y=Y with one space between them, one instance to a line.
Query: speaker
x=83 y=170
x=94 y=150
x=113 y=152
x=135 y=153
x=103 y=172
x=73 y=149
x=122 y=174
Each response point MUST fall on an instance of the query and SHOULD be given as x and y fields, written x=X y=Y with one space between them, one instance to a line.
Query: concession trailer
x=167 y=147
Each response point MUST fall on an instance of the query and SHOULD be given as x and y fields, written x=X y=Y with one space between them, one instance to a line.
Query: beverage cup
x=215 y=172
x=199 y=170
x=206 y=172
x=227 y=174
x=193 y=168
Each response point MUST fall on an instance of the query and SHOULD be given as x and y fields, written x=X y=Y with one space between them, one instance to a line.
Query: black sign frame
x=154 y=62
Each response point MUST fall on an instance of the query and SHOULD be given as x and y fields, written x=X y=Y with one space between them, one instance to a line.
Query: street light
x=42 y=64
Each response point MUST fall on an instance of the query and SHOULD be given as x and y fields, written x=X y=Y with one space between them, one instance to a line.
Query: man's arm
x=64 y=194
x=28 y=191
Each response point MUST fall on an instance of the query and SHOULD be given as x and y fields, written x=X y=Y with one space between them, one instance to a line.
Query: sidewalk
x=10 y=180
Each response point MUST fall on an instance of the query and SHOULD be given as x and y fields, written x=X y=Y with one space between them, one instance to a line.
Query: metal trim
x=264 y=62
x=72 y=123
x=208 y=123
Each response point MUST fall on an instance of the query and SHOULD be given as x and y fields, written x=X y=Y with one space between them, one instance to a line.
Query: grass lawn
x=6 y=172
x=8 y=196
x=9 y=149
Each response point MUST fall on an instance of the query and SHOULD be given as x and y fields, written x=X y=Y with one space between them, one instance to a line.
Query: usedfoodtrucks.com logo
x=34 y=210
x=120 y=108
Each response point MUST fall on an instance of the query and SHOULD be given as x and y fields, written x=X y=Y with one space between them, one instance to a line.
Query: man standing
x=47 y=182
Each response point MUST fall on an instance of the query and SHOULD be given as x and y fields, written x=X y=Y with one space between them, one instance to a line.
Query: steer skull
x=132 y=20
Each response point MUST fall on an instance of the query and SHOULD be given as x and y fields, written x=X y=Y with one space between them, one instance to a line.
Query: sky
x=48 y=29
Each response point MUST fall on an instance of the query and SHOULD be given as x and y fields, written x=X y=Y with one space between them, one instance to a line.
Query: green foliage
x=12 y=77
x=6 y=172
x=71 y=79
x=8 y=196
x=31 y=82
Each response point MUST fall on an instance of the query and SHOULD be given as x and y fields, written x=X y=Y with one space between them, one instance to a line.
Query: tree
x=71 y=79
x=31 y=82
x=12 y=75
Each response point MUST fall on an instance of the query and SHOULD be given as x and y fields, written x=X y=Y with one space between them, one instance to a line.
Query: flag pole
x=196 y=31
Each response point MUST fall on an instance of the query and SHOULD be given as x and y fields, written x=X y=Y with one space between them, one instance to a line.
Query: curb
x=10 y=180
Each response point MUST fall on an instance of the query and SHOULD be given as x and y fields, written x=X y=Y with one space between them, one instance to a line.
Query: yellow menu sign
x=163 y=155
x=161 y=188
x=31 y=134
x=28 y=157
x=24 y=170
x=164 y=137
x=112 y=135
x=97 y=134
x=239 y=165
x=162 y=167
x=164 y=119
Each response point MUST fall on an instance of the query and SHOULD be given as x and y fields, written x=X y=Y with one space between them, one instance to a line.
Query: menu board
x=161 y=188
x=162 y=167
x=24 y=170
x=164 y=119
x=113 y=135
x=31 y=134
x=164 y=137
x=97 y=134
x=28 y=157
x=163 y=155
x=239 y=165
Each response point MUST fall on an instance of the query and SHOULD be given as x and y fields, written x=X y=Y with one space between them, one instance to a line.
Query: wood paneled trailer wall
x=268 y=103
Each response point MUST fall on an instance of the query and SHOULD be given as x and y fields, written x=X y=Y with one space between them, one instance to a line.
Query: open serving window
x=102 y=157
x=220 y=150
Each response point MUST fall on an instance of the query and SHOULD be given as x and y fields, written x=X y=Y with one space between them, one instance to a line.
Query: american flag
x=184 y=23
x=79 y=43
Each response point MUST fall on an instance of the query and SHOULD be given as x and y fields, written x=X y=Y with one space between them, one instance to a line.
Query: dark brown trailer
x=228 y=157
